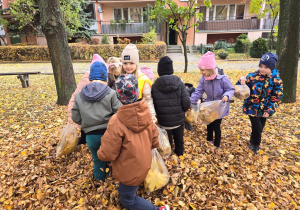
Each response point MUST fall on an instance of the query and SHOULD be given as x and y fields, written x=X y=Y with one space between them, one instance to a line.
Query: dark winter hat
x=98 y=71
x=165 y=66
x=269 y=59
x=127 y=88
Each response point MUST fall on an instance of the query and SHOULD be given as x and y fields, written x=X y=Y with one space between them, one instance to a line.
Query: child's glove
x=243 y=80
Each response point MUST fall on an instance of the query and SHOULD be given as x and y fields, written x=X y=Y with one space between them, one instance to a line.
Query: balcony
x=247 y=23
x=128 y=28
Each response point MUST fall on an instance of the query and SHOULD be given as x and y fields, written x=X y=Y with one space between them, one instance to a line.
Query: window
x=221 y=12
x=117 y=14
x=232 y=12
x=203 y=11
x=211 y=12
x=125 y=13
x=240 y=9
x=90 y=9
x=134 y=14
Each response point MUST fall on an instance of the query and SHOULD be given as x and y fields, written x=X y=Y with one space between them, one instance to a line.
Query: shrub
x=105 y=39
x=123 y=41
x=259 y=47
x=242 y=43
x=220 y=45
x=150 y=37
x=222 y=54
x=81 y=52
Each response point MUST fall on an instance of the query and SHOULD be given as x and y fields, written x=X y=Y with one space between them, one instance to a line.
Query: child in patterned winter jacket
x=265 y=95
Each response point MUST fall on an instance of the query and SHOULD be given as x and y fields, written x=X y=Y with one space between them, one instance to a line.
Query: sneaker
x=165 y=207
x=211 y=142
x=254 y=148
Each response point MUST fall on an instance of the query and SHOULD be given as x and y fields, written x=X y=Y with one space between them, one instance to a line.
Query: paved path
x=178 y=62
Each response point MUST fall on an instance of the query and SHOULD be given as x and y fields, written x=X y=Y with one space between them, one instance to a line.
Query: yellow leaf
x=182 y=204
x=192 y=206
x=24 y=153
x=104 y=201
x=81 y=201
x=295 y=204
x=265 y=158
x=10 y=191
x=203 y=169
x=107 y=170
x=271 y=205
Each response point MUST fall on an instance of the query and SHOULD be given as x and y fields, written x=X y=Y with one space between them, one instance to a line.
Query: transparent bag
x=164 y=147
x=191 y=115
x=211 y=111
x=158 y=175
x=68 y=140
x=241 y=92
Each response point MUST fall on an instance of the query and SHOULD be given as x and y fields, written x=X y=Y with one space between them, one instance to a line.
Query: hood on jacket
x=136 y=116
x=168 y=83
x=94 y=92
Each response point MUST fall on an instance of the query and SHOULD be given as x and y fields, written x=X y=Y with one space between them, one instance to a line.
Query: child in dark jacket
x=265 y=96
x=93 y=107
x=171 y=100
x=216 y=87
x=128 y=141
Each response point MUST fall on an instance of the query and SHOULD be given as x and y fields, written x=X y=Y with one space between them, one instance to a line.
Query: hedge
x=147 y=52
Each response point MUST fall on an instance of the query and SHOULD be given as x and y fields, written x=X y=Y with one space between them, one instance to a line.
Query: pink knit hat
x=207 y=61
x=147 y=71
x=97 y=57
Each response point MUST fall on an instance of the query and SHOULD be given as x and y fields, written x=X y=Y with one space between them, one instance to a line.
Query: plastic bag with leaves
x=241 y=92
x=164 y=147
x=158 y=175
x=192 y=114
x=211 y=111
x=68 y=140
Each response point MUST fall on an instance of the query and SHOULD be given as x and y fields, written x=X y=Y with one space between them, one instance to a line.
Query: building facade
x=225 y=20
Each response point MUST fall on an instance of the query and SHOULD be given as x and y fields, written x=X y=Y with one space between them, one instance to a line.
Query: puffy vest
x=141 y=80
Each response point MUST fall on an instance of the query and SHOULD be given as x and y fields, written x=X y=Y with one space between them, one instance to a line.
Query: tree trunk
x=185 y=52
x=54 y=29
x=288 y=47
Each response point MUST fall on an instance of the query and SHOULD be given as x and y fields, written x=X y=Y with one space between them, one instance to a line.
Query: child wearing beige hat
x=130 y=65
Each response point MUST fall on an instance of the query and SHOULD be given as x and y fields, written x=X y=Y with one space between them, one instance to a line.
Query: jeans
x=257 y=125
x=131 y=201
x=94 y=142
x=177 y=133
x=214 y=126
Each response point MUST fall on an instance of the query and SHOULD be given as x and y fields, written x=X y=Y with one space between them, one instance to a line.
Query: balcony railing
x=128 y=28
x=247 y=23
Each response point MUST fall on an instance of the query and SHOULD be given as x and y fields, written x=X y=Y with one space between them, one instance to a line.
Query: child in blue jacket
x=265 y=96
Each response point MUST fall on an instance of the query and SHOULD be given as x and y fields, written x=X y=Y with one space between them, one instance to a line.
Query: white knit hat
x=131 y=54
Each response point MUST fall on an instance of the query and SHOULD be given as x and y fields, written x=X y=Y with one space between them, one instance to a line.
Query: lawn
x=204 y=178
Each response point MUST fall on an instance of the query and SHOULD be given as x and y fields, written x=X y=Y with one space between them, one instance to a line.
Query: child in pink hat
x=216 y=87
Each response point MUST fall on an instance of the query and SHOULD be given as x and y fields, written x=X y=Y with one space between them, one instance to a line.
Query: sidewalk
x=178 y=63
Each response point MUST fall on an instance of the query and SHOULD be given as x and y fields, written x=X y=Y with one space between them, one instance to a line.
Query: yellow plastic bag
x=241 y=92
x=192 y=114
x=158 y=175
x=68 y=140
x=164 y=147
x=211 y=111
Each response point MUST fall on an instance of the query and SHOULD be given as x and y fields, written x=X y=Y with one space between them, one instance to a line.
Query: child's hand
x=266 y=114
x=225 y=98
x=243 y=80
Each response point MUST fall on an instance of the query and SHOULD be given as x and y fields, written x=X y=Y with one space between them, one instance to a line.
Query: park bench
x=23 y=76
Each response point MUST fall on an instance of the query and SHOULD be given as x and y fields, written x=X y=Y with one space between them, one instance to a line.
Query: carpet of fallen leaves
x=204 y=178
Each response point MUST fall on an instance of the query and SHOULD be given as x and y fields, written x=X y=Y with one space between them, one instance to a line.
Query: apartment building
x=225 y=20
